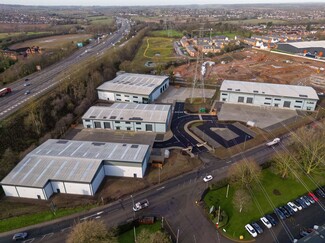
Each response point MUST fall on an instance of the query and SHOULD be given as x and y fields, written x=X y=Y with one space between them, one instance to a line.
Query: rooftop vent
x=304 y=96
x=134 y=146
x=255 y=91
x=229 y=89
x=237 y=89
x=98 y=144
x=92 y=117
x=136 y=118
x=104 y=117
x=124 y=145
x=62 y=142
x=113 y=117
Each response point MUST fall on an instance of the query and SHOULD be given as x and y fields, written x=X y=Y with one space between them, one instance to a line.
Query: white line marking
x=65 y=229
x=228 y=162
x=161 y=188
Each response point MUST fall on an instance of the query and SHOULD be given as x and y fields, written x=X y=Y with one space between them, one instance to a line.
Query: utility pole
x=177 y=235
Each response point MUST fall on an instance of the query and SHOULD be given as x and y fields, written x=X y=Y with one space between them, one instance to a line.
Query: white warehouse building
x=129 y=117
x=134 y=88
x=73 y=167
x=267 y=94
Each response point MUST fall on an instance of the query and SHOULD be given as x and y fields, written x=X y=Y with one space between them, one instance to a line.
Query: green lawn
x=6 y=35
x=101 y=20
x=279 y=191
x=128 y=237
x=256 y=21
x=166 y=33
x=36 y=218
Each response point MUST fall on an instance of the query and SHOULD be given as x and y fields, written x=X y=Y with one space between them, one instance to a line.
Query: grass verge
x=128 y=236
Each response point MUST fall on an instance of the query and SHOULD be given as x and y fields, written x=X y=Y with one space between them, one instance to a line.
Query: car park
x=279 y=213
x=285 y=212
x=305 y=232
x=310 y=199
x=266 y=222
x=271 y=219
x=20 y=236
x=294 y=207
x=257 y=227
x=289 y=209
x=312 y=195
x=300 y=202
x=305 y=201
x=250 y=230
x=207 y=178
x=320 y=193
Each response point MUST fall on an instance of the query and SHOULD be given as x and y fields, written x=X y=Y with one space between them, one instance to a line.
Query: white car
x=141 y=205
x=266 y=222
x=250 y=230
x=294 y=206
x=208 y=178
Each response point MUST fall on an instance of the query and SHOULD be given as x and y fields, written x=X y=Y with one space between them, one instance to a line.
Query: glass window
x=97 y=125
x=241 y=99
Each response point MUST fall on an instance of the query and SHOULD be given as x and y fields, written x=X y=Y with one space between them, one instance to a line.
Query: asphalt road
x=173 y=199
x=181 y=138
x=43 y=81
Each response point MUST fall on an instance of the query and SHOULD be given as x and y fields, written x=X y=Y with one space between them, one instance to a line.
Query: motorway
x=173 y=199
x=41 y=82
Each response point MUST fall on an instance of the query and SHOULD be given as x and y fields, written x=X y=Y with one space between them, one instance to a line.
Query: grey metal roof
x=129 y=112
x=70 y=160
x=283 y=90
x=132 y=83
x=308 y=44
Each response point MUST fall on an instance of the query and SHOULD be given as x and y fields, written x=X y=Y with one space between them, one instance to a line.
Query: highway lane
x=48 y=78
x=173 y=199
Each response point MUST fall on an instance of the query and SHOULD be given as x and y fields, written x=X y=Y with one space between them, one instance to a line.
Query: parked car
x=312 y=195
x=279 y=213
x=250 y=230
x=266 y=222
x=26 y=79
x=305 y=232
x=289 y=209
x=320 y=193
x=271 y=219
x=305 y=201
x=208 y=178
x=27 y=92
x=309 y=199
x=20 y=236
x=294 y=206
x=257 y=227
x=26 y=84
x=285 y=212
x=300 y=202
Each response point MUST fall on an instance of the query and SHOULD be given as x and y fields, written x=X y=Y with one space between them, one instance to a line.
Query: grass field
x=6 y=35
x=166 y=33
x=101 y=20
x=36 y=218
x=128 y=237
x=52 y=42
x=155 y=49
x=279 y=191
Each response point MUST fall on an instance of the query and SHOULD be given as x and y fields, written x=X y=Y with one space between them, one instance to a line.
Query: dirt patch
x=257 y=66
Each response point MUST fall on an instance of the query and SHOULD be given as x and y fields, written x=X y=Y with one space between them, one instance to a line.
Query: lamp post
x=133 y=206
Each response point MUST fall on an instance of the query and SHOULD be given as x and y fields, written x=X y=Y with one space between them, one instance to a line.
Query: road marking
x=228 y=162
x=98 y=217
x=161 y=188
x=100 y=212
x=49 y=235
x=65 y=229
x=29 y=240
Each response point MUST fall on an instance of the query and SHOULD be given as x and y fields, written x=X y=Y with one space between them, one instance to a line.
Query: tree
x=310 y=147
x=145 y=236
x=284 y=164
x=241 y=199
x=91 y=231
x=244 y=173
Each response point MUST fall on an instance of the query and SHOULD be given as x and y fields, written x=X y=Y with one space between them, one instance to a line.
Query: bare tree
x=91 y=231
x=310 y=148
x=241 y=199
x=284 y=164
x=244 y=173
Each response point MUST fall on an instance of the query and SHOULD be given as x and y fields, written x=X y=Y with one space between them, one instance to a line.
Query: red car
x=313 y=196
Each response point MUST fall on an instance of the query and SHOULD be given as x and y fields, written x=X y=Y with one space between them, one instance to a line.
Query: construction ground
x=259 y=66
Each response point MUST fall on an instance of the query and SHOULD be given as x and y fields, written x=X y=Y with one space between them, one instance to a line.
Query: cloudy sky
x=143 y=2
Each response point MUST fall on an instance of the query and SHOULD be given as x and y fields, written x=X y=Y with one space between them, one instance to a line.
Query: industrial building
x=313 y=47
x=129 y=117
x=134 y=88
x=73 y=167
x=267 y=94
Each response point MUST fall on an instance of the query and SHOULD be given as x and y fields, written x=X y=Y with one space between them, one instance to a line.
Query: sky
x=144 y=2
